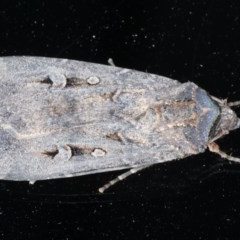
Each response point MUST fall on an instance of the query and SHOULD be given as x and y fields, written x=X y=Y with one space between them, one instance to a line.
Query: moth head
x=226 y=121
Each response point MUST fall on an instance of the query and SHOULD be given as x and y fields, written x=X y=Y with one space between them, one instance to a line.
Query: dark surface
x=195 y=198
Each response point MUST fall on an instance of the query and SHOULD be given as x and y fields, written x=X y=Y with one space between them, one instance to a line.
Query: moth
x=62 y=118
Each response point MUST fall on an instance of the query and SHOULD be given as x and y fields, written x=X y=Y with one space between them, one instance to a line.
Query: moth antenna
x=213 y=147
x=233 y=104
x=121 y=177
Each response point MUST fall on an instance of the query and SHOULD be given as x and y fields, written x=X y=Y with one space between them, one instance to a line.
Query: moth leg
x=233 y=104
x=120 y=178
x=111 y=63
x=213 y=147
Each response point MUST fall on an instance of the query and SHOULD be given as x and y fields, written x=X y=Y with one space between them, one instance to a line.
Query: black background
x=194 y=198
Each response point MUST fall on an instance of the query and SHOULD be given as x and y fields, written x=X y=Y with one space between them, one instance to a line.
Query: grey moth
x=61 y=118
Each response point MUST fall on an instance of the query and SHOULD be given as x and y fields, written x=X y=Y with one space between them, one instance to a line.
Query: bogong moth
x=61 y=118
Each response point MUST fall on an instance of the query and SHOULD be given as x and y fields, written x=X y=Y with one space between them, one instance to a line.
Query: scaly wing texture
x=61 y=118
